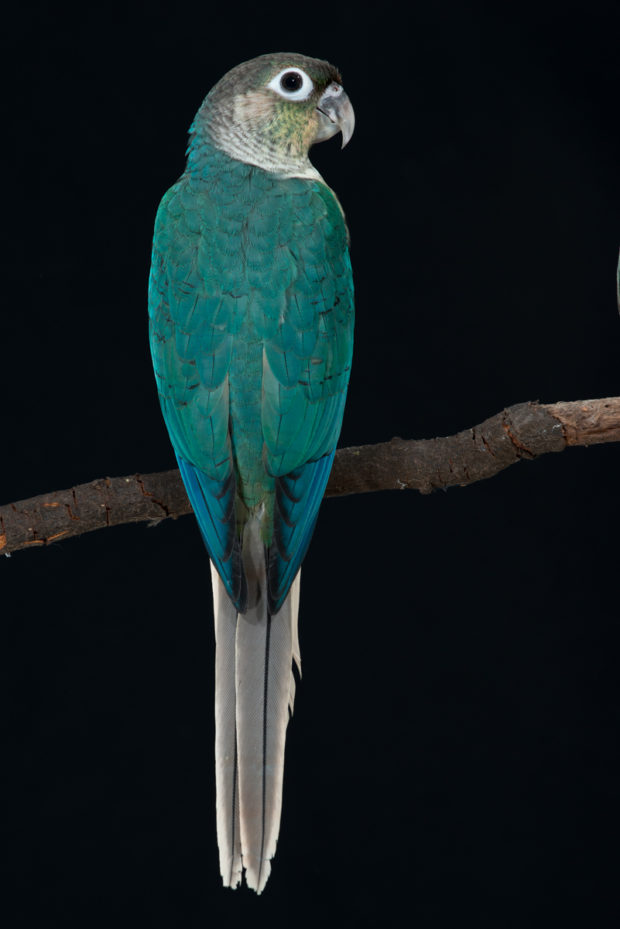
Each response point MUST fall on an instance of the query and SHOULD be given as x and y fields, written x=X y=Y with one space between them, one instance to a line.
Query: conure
x=251 y=334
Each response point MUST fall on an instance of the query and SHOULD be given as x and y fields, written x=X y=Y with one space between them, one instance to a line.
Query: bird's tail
x=254 y=690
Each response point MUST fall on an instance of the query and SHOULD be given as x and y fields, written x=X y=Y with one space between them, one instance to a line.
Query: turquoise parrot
x=251 y=334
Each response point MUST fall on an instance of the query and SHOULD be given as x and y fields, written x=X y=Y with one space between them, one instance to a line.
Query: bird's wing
x=306 y=366
x=192 y=325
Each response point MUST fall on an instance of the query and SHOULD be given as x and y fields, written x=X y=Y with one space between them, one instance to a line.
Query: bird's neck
x=218 y=132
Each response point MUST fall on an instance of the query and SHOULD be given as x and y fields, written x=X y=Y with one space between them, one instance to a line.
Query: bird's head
x=270 y=110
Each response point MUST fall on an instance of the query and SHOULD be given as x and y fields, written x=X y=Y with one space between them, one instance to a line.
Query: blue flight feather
x=298 y=498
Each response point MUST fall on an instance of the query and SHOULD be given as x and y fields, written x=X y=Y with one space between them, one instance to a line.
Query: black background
x=453 y=759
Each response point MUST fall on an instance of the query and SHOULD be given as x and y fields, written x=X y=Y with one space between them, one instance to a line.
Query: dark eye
x=291 y=81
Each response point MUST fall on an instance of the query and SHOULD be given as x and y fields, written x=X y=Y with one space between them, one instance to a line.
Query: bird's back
x=251 y=324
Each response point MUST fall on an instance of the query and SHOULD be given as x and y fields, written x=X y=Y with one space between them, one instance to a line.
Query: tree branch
x=523 y=431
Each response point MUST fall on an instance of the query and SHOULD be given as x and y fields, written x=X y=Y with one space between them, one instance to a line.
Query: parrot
x=251 y=312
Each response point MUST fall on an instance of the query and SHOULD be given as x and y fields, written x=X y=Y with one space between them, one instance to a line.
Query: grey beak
x=335 y=115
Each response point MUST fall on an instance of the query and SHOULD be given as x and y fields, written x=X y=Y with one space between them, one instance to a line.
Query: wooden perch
x=523 y=431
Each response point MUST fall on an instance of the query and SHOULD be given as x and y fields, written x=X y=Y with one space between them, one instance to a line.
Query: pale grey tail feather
x=226 y=781
x=292 y=604
x=255 y=689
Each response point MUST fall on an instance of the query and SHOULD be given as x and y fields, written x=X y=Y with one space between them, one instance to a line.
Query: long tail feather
x=226 y=779
x=250 y=742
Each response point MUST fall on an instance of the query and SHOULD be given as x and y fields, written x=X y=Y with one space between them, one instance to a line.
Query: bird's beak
x=335 y=115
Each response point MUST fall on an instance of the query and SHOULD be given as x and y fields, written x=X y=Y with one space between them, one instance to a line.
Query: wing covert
x=192 y=325
x=306 y=368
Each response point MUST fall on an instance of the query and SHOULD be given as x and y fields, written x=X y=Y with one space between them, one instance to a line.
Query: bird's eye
x=292 y=83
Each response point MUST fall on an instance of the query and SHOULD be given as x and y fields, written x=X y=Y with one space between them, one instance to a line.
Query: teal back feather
x=251 y=313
